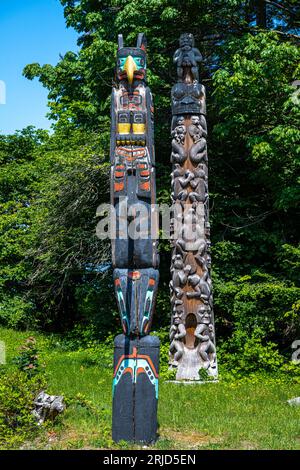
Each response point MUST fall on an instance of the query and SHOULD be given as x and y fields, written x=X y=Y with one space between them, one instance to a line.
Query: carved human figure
x=180 y=181
x=201 y=255
x=179 y=275
x=200 y=285
x=199 y=185
x=187 y=56
x=177 y=333
x=178 y=134
x=198 y=150
x=202 y=123
x=189 y=99
x=208 y=258
x=191 y=233
x=205 y=333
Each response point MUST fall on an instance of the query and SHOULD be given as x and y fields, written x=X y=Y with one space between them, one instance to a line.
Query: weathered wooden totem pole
x=134 y=248
x=192 y=327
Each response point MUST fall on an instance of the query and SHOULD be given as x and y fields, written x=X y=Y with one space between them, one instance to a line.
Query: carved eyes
x=121 y=62
x=179 y=93
x=139 y=61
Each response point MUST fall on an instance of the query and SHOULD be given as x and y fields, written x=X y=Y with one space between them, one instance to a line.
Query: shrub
x=258 y=302
x=27 y=361
x=17 y=392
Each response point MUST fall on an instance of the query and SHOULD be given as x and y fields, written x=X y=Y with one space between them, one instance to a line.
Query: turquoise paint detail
x=137 y=61
x=122 y=307
x=147 y=307
x=134 y=364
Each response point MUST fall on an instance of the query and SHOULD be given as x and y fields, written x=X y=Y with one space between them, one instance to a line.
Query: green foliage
x=17 y=391
x=263 y=116
x=258 y=321
x=165 y=372
x=290 y=261
x=248 y=411
x=16 y=311
x=51 y=186
x=50 y=252
x=28 y=359
x=20 y=171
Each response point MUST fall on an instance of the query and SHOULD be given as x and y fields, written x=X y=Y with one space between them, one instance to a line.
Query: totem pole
x=134 y=247
x=192 y=326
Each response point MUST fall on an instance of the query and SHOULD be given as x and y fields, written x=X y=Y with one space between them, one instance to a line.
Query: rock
x=294 y=401
x=47 y=407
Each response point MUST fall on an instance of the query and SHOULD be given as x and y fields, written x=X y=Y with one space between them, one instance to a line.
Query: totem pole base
x=135 y=389
x=190 y=366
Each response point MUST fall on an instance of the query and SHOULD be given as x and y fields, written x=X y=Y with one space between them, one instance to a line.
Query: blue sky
x=30 y=31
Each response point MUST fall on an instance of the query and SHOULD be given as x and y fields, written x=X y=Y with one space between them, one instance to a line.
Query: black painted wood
x=135 y=389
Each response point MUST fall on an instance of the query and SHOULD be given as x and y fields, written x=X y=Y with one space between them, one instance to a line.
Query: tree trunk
x=261 y=14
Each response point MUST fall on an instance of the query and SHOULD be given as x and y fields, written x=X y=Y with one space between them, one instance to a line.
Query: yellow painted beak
x=130 y=67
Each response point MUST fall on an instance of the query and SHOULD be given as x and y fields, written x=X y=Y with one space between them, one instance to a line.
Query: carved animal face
x=131 y=61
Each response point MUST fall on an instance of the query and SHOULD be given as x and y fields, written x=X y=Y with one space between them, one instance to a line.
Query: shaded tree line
x=51 y=185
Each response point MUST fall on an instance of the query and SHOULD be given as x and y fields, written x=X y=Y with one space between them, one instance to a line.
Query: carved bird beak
x=130 y=67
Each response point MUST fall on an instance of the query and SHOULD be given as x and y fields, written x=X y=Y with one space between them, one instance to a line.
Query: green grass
x=248 y=414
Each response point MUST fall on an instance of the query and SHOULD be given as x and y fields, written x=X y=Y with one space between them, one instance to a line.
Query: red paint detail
x=134 y=275
x=119 y=186
x=144 y=356
x=134 y=355
x=122 y=75
x=151 y=282
x=124 y=151
x=139 y=74
x=145 y=173
x=133 y=106
x=145 y=186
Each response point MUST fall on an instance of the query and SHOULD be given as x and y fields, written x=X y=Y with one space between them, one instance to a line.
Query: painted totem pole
x=192 y=326
x=134 y=248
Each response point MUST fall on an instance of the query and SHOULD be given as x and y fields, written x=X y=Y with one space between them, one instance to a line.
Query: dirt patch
x=190 y=439
x=247 y=445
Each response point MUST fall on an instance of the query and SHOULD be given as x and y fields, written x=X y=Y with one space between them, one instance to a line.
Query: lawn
x=247 y=414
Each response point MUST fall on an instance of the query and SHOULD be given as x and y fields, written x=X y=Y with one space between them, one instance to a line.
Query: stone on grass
x=47 y=407
x=294 y=401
